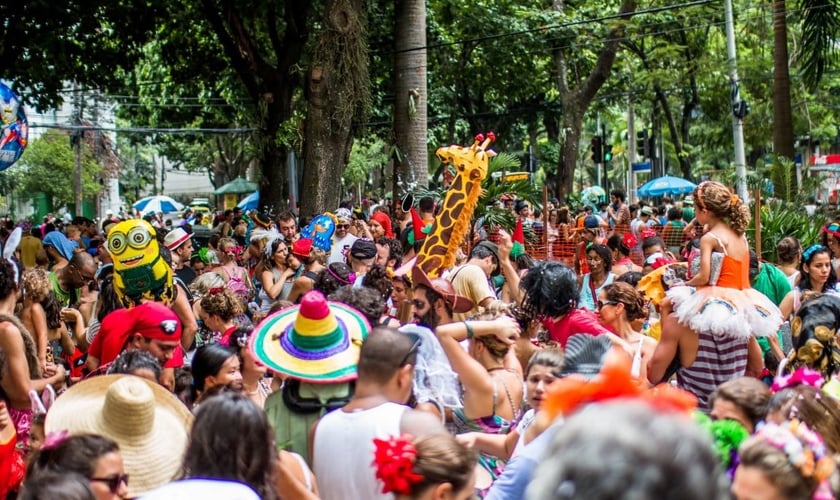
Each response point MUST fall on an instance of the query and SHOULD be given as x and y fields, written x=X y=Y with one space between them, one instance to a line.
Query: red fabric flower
x=648 y=233
x=394 y=460
x=629 y=240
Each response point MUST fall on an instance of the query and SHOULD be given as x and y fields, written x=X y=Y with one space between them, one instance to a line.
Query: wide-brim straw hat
x=316 y=341
x=150 y=425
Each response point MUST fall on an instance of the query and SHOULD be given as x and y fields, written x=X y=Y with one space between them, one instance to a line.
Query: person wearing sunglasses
x=618 y=305
x=92 y=456
x=343 y=239
x=343 y=439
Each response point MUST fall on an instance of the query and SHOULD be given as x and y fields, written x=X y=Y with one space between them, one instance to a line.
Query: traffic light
x=642 y=144
x=597 y=149
x=607 y=153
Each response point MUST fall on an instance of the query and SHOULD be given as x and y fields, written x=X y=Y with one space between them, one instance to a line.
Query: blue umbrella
x=157 y=203
x=250 y=202
x=666 y=185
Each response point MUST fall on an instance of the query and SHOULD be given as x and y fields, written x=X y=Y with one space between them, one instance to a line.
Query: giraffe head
x=469 y=161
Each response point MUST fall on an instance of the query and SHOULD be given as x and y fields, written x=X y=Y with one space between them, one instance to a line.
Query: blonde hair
x=202 y=284
x=718 y=199
x=442 y=459
x=36 y=284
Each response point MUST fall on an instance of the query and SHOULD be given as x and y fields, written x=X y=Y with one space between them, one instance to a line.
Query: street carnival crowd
x=647 y=354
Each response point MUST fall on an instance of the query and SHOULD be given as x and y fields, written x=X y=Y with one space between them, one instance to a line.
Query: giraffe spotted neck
x=452 y=223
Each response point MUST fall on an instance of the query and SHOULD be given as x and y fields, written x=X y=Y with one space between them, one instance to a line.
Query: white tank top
x=343 y=451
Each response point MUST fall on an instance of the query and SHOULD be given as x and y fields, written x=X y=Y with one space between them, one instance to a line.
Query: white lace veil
x=434 y=379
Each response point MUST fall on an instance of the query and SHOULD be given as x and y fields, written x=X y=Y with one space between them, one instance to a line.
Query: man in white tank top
x=342 y=441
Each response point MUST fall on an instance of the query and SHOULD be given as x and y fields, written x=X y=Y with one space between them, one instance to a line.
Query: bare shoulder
x=420 y=423
x=9 y=334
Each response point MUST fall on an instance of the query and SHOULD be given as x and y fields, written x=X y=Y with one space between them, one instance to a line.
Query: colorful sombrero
x=316 y=341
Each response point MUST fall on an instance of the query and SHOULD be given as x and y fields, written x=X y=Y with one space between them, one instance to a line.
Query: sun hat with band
x=315 y=341
x=175 y=238
x=150 y=425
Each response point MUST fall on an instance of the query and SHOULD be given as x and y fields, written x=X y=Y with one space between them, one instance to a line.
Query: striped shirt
x=718 y=360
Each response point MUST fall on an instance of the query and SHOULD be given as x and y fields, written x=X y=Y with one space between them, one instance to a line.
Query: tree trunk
x=270 y=87
x=576 y=100
x=337 y=91
x=782 y=116
x=411 y=164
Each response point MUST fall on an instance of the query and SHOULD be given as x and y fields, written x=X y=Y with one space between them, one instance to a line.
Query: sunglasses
x=342 y=226
x=113 y=482
x=411 y=351
x=600 y=304
x=418 y=304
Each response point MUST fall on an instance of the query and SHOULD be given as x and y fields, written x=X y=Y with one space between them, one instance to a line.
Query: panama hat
x=175 y=238
x=316 y=341
x=150 y=425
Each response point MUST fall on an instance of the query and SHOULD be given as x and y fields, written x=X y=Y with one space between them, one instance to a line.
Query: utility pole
x=631 y=151
x=739 y=108
x=76 y=139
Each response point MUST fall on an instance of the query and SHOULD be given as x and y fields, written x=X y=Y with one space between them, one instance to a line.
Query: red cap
x=302 y=246
x=155 y=321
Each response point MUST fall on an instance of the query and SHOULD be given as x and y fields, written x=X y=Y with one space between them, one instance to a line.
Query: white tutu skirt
x=726 y=312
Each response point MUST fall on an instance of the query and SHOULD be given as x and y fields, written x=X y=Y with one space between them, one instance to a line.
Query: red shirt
x=576 y=321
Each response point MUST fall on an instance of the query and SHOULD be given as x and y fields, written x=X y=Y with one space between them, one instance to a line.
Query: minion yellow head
x=139 y=270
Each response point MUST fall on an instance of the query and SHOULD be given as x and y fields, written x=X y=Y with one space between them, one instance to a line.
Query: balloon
x=139 y=270
x=15 y=131
x=320 y=231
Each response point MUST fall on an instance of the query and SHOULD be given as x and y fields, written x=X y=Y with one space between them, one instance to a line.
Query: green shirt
x=773 y=283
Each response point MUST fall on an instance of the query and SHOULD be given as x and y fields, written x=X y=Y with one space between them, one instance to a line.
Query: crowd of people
x=296 y=358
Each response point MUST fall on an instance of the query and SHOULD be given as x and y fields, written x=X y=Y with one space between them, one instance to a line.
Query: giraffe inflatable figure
x=452 y=224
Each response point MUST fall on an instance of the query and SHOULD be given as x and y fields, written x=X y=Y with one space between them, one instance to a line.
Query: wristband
x=470 y=332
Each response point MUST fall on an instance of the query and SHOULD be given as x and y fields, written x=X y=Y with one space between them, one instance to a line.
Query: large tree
x=578 y=88
x=337 y=90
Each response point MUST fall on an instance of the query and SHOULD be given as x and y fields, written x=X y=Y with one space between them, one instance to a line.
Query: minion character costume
x=139 y=271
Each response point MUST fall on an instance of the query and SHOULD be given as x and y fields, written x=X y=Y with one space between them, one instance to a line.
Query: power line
x=569 y=24
x=146 y=130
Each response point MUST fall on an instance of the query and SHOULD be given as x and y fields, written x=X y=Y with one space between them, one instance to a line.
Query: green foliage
x=780 y=219
x=51 y=157
x=364 y=156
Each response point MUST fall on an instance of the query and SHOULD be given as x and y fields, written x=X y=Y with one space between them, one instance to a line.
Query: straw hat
x=316 y=341
x=149 y=423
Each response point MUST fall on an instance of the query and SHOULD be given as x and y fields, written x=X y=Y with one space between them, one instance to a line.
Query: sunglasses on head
x=412 y=350
x=113 y=482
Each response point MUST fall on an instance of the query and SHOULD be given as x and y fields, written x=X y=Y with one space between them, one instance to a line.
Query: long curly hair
x=718 y=199
x=223 y=303
x=37 y=286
